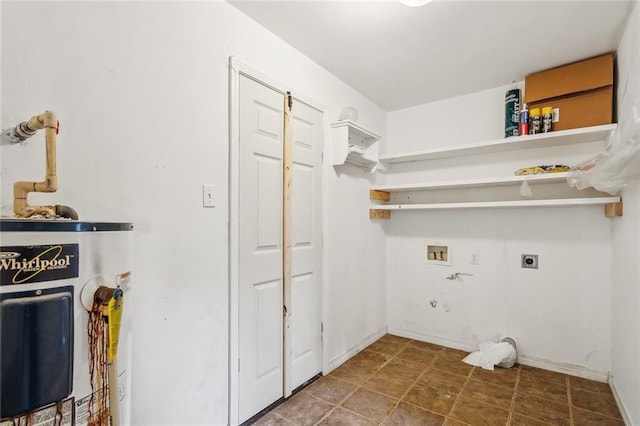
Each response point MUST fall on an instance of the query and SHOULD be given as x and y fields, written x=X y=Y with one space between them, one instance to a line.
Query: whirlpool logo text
x=30 y=264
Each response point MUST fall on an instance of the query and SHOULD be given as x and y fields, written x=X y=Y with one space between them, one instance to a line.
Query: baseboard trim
x=558 y=367
x=626 y=417
x=437 y=340
x=565 y=368
x=349 y=353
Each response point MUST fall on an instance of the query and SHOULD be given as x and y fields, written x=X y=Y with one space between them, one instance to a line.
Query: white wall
x=626 y=235
x=561 y=313
x=356 y=303
x=141 y=91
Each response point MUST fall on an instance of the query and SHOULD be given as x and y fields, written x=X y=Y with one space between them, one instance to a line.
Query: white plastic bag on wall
x=608 y=171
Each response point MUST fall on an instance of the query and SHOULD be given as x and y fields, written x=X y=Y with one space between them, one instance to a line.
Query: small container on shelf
x=511 y=113
x=547 y=119
x=524 y=120
x=535 y=121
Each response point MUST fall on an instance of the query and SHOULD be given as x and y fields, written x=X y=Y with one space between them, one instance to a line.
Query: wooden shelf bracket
x=379 y=214
x=379 y=195
x=613 y=209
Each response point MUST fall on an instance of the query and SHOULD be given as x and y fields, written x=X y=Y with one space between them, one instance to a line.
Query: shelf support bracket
x=379 y=195
x=613 y=209
x=379 y=214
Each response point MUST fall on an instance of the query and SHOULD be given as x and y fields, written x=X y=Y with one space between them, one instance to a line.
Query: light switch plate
x=207 y=196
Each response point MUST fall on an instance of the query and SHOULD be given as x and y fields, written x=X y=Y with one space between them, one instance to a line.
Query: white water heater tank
x=49 y=374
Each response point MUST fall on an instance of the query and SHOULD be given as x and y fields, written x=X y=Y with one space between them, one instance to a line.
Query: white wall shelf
x=382 y=193
x=543 y=140
x=613 y=204
x=471 y=183
x=561 y=202
x=354 y=144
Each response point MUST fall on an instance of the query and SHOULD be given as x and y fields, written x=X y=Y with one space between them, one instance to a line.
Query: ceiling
x=400 y=56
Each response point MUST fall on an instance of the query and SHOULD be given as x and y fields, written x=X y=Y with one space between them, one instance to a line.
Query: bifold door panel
x=279 y=348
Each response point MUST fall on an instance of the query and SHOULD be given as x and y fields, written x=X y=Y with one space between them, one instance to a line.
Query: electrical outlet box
x=529 y=261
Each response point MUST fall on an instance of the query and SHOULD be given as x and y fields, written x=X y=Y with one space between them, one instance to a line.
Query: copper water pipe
x=46 y=120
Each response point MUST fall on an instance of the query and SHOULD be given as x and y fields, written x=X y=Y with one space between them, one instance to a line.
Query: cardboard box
x=582 y=91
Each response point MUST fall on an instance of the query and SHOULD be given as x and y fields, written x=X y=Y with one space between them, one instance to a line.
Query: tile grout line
x=339 y=405
x=281 y=417
x=402 y=396
x=381 y=367
x=599 y=413
x=335 y=407
x=349 y=395
x=322 y=418
x=512 y=407
x=400 y=399
x=567 y=382
x=361 y=386
x=358 y=387
x=459 y=395
x=412 y=384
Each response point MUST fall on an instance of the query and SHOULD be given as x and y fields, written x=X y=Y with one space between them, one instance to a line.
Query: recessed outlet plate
x=529 y=261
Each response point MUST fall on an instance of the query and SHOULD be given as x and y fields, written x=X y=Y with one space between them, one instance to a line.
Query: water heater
x=65 y=322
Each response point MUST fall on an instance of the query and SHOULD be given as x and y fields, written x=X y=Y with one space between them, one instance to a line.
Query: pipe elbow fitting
x=66 y=212
x=46 y=119
x=49 y=185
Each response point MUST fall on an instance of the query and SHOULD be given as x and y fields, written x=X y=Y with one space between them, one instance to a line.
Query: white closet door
x=262 y=341
x=306 y=339
x=260 y=248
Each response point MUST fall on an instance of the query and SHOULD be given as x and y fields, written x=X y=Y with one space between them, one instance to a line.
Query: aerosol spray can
x=547 y=119
x=511 y=112
x=524 y=120
x=535 y=121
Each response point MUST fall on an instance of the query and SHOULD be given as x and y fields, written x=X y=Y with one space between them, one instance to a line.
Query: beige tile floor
x=398 y=381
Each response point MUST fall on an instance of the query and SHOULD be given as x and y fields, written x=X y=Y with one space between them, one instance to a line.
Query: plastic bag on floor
x=502 y=354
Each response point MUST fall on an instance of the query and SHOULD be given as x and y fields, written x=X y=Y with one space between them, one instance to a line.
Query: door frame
x=237 y=69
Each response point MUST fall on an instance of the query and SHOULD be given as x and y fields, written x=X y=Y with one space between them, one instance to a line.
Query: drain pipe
x=21 y=190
